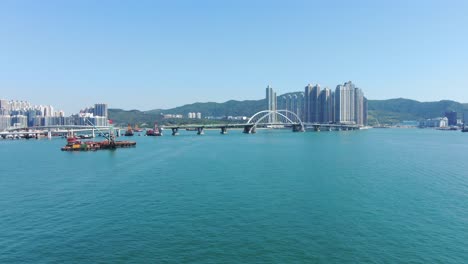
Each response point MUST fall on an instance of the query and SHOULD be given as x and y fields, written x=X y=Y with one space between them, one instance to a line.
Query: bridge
x=265 y=119
x=48 y=130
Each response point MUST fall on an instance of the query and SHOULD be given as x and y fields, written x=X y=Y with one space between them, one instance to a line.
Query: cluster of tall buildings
x=22 y=114
x=345 y=105
x=97 y=115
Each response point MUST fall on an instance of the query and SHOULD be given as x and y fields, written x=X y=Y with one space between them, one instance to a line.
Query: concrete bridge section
x=252 y=129
x=263 y=119
x=35 y=132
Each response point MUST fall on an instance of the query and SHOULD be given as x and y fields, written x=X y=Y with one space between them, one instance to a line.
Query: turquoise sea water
x=375 y=196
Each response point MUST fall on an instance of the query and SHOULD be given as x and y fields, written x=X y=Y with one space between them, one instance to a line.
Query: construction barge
x=74 y=144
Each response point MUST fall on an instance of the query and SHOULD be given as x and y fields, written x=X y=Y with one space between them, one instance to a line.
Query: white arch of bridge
x=283 y=113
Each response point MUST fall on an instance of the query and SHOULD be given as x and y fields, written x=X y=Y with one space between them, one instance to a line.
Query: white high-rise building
x=5 y=122
x=4 y=104
x=345 y=103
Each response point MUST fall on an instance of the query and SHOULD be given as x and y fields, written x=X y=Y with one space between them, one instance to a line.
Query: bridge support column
x=223 y=130
x=316 y=128
x=175 y=131
x=49 y=134
x=298 y=128
x=94 y=135
x=250 y=129
x=200 y=131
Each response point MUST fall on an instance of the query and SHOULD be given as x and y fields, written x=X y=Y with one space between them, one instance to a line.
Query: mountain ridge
x=387 y=111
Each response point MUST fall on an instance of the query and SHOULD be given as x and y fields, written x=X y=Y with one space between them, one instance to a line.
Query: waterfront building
x=365 y=111
x=465 y=118
x=358 y=107
x=298 y=105
x=99 y=120
x=435 y=122
x=307 y=92
x=19 y=121
x=311 y=103
x=452 y=118
x=4 y=104
x=345 y=104
x=325 y=106
x=198 y=115
x=271 y=101
x=5 y=122
x=100 y=110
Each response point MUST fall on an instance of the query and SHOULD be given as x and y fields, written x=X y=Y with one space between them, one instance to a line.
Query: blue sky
x=161 y=54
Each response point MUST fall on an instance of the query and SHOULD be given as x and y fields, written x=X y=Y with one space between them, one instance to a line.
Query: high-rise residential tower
x=452 y=118
x=345 y=104
x=271 y=103
x=358 y=106
x=100 y=110
x=325 y=106
x=311 y=103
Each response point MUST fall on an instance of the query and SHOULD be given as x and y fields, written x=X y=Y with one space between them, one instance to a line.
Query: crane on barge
x=73 y=144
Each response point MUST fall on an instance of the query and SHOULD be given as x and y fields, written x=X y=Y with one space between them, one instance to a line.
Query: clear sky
x=161 y=54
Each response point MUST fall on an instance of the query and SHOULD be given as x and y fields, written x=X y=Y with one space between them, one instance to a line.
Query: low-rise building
x=435 y=122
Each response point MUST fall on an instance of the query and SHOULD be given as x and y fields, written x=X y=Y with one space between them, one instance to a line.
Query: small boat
x=137 y=129
x=85 y=136
x=129 y=132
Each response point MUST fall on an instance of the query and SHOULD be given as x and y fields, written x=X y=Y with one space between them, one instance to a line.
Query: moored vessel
x=129 y=131
x=75 y=144
x=155 y=132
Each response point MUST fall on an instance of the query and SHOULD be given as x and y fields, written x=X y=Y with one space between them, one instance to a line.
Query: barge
x=74 y=144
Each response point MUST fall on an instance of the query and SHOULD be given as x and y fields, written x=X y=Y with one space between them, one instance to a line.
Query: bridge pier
x=93 y=134
x=223 y=130
x=49 y=134
x=249 y=129
x=175 y=131
x=317 y=128
x=298 y=128
x=200 y=131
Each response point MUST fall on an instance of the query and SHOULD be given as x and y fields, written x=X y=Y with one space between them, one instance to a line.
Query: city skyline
x=125 y=54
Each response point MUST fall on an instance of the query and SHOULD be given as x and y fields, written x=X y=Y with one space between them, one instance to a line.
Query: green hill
x=393 y=111
x=390 y=111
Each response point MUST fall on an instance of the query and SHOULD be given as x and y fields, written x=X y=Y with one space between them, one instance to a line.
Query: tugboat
x=129 y=132
x=155 y=132
x=465 y=128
